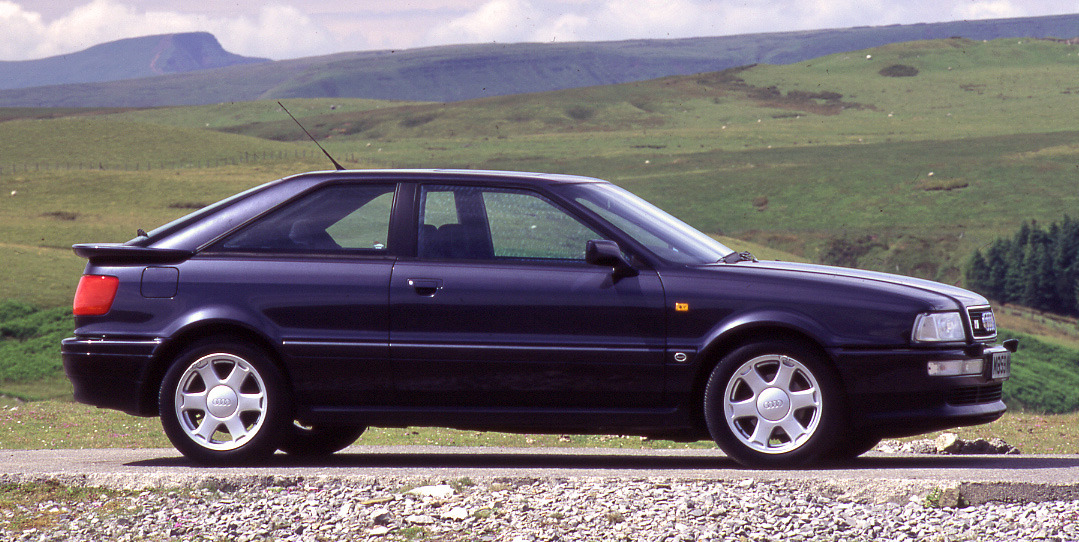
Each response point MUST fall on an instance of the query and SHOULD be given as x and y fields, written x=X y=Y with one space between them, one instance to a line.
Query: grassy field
x=64 y=425
x=799 y=157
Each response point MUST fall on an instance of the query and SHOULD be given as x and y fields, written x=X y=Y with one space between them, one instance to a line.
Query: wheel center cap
x=773 y=404
x=221 y=401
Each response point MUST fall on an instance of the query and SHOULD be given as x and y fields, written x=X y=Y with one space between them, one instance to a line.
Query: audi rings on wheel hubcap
x=772 y=404
x=220 y=402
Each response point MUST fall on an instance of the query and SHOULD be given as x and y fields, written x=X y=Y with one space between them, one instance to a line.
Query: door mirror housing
x=606 y=253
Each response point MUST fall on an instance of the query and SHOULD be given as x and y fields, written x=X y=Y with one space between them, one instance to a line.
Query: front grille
x=974 y=395
x=982 y=322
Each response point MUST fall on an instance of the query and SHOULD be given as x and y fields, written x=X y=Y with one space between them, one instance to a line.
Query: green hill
x=834 y=159
x=463 y=72
x=832 y=156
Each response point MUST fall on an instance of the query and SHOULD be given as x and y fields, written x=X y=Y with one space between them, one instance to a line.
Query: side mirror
x=606 y=253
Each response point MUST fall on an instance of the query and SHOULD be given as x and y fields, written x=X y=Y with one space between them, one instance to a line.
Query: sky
x=283 y=29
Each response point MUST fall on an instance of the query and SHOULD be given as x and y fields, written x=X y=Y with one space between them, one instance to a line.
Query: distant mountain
x=454 y=73
x=124 y=59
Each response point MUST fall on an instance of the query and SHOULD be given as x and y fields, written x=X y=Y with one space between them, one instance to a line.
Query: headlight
x=939 y=327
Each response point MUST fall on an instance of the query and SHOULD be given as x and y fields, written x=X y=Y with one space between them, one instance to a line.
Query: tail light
x=95 y=294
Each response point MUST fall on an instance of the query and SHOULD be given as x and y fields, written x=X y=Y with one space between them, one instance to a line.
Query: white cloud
x=496 y=20
x=21 y=30
x=573 y=20
x=275 y=31
x=988 y=9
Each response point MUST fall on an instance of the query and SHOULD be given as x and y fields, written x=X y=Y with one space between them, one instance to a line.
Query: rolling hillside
x=455 y=73
x=834 y=159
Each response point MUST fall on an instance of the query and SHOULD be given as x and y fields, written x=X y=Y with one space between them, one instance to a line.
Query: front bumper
x=892 y=394
x=112 y=373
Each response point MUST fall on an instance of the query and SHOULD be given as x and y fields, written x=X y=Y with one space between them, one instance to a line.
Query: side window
x=526 y=226
x=340 y=217
x=484 y=224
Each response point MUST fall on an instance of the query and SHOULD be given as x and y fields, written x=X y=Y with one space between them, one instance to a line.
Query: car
x=296 y=314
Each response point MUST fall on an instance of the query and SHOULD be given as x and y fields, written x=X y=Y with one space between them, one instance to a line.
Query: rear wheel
x=775 y=405
x=318 y=440
x=224 y=402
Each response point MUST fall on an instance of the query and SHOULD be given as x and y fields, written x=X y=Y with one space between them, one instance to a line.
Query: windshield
x=664 y=235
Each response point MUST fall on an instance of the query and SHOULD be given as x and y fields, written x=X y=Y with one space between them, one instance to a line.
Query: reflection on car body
x=296 y=314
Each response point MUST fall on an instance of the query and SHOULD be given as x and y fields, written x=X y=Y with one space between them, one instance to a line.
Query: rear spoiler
x=99 y=253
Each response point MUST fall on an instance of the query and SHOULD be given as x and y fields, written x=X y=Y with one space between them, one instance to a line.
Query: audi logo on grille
x=769 y=405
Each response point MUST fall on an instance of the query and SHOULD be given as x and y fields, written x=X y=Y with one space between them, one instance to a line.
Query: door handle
x=425 y=287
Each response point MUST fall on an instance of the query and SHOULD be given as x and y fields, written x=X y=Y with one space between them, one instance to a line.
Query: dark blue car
x=296 y=314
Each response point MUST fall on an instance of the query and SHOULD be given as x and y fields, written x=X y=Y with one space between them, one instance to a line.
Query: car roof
x=471 y=175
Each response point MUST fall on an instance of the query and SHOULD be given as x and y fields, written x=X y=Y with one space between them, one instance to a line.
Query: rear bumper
x=892 y=395
x=112 y=373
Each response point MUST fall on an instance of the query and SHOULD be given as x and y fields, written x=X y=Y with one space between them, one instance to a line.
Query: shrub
x=846 y=252
x=899 y=70
x=1045 y=377
x=580 y=112
x=30 y=341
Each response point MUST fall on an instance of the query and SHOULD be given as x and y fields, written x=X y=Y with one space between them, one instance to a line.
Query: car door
x=500 y=309
x=316 y=272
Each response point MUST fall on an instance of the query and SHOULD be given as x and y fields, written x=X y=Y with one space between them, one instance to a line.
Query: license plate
x=1001 y=365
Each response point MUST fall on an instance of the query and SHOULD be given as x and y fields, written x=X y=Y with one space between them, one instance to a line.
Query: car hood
x=965 y=297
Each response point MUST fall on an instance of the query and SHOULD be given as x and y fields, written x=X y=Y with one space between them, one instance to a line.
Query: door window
x=482 y=224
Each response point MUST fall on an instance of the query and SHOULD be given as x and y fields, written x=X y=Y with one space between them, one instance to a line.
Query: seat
x=309 y=234
x=455 y=242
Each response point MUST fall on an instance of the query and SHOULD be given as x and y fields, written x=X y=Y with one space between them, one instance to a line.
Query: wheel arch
x=175 y=344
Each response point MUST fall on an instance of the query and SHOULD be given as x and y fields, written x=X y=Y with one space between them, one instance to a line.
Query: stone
x=949 y=443
x=441 y=492
x=457 y=513
x=381 y=517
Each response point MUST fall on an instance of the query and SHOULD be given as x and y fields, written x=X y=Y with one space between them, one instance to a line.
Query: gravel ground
x=532 y=510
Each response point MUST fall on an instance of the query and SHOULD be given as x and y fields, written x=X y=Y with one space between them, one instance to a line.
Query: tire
x=318 y=440
x=224 y=402
x=855 y=445
x=775 y=405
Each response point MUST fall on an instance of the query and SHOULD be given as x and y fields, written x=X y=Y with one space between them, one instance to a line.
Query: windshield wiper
x=735 y=257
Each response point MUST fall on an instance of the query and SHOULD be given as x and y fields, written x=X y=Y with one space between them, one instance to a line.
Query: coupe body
x=296 y=314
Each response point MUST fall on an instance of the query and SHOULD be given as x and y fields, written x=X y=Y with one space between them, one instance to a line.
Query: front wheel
x=775 y=405
x=224 y=402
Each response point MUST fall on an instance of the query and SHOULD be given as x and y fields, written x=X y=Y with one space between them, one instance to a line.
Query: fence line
x=247 y=158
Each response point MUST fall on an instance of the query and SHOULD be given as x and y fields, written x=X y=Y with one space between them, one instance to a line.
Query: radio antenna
x=313 y=140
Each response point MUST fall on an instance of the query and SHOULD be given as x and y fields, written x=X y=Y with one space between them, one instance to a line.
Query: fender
x=744 y=324
x=208 y=316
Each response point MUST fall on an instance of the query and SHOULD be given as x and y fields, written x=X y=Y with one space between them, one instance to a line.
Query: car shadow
x=475 y=461
x=617 y=461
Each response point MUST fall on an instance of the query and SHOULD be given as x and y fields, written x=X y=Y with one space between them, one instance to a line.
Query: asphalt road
x=873 y=477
